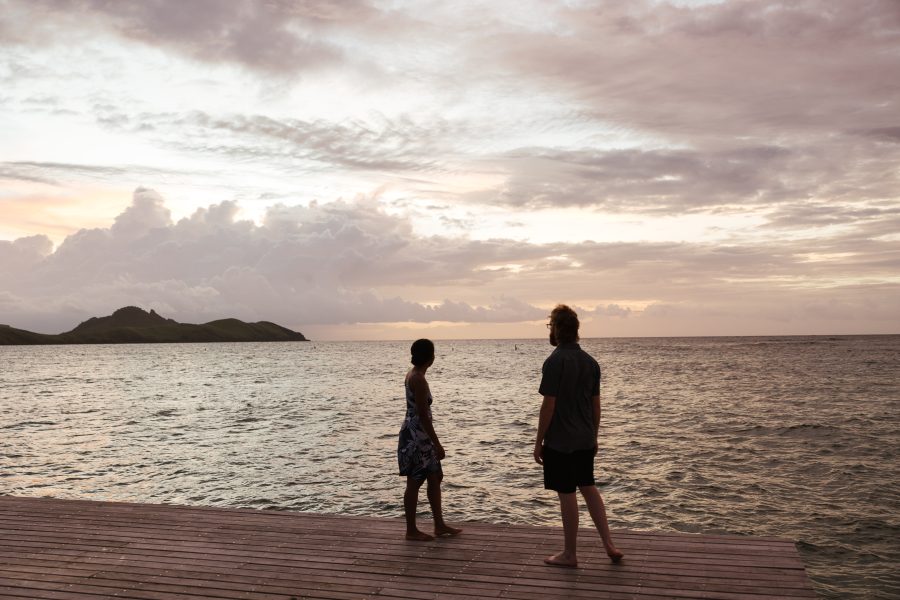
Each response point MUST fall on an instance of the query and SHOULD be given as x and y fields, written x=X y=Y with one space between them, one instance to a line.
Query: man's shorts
x=564 y=471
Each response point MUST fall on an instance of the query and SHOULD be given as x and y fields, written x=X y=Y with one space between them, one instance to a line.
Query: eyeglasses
x=549 y=325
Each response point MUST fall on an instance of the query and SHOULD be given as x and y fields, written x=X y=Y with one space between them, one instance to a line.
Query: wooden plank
x=38 y=531
x=476 y=534
x=84 y=550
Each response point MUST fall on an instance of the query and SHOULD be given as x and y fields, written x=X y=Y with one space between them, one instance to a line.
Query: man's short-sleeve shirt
x=573 y=377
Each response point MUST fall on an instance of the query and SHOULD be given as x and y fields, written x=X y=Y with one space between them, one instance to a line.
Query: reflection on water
x=793 y=437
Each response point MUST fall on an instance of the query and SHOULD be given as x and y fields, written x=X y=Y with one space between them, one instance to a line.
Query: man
x=567 y=433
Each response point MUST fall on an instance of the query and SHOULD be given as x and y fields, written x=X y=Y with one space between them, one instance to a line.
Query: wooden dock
x=82 y=550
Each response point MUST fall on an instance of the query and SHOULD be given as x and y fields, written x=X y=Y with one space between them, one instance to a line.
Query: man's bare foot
x=418 y=536
x=614 y=554
x=445 y=529
x=562 y=560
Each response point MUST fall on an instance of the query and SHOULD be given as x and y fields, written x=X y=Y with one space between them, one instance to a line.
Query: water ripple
x=790 y=437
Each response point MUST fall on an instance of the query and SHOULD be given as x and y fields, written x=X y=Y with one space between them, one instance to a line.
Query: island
x=133 y=325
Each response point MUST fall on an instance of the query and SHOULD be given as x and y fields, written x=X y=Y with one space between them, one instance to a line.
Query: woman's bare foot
x=562 y=560
x=445 y=529
x=614 y=554
x=418 y=536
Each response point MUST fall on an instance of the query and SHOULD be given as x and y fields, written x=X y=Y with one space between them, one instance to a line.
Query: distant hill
x=132 y=325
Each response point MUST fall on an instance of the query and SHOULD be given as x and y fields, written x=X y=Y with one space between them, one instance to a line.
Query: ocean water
x=796 y=437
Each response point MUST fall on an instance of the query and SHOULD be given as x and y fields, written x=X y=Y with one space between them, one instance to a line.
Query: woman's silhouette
x=419 y=452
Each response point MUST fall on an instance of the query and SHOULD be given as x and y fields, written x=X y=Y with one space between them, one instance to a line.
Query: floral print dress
x=415 y=452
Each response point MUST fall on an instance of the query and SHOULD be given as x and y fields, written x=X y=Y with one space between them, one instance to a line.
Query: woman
x=419 y=451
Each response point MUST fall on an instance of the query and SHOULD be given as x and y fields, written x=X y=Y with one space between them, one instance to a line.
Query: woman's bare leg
x=594 y=502
x=568 y=506
x=434 y=498
x=410 y=501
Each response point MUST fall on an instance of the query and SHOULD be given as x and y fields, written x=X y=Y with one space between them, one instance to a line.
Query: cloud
x=348 y=262
x=887 y=134
x=731 y=69
x=24 y=253
x=610 y=310
x=737 y=104
x=12 y=172
x=382 y=144
x=642 y=180
x=303 y=264
x=823 y=214
x=723 y=106
x=277 y=37
x=59 y=173
x=842 y=173
x=146 y=213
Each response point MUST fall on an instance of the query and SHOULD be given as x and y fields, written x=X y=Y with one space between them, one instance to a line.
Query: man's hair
x=422 y=351
x=566 y=323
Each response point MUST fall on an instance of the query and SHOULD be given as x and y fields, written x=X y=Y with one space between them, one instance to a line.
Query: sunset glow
x=391 y=170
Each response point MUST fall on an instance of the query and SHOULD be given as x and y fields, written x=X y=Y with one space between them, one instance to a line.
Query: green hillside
x=132 y=325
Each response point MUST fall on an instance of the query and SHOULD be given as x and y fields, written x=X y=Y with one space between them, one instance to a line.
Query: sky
x=400 y=169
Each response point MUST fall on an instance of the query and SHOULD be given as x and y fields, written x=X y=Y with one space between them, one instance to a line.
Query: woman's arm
x=596 y=402
x=420 y=394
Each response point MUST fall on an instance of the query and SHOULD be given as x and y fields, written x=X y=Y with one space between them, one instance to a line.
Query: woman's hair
x=422 y=351
x=566 y=323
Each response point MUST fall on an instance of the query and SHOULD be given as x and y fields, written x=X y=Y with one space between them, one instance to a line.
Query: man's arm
x=546 y=415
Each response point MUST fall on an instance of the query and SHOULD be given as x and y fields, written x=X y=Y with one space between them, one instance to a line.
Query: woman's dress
x=415 y=452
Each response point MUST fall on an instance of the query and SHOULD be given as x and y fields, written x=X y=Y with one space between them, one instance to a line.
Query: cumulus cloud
x=146 y=213
x=303 y=264
x=351 y=262
x=610 y=310
x=24 y=253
